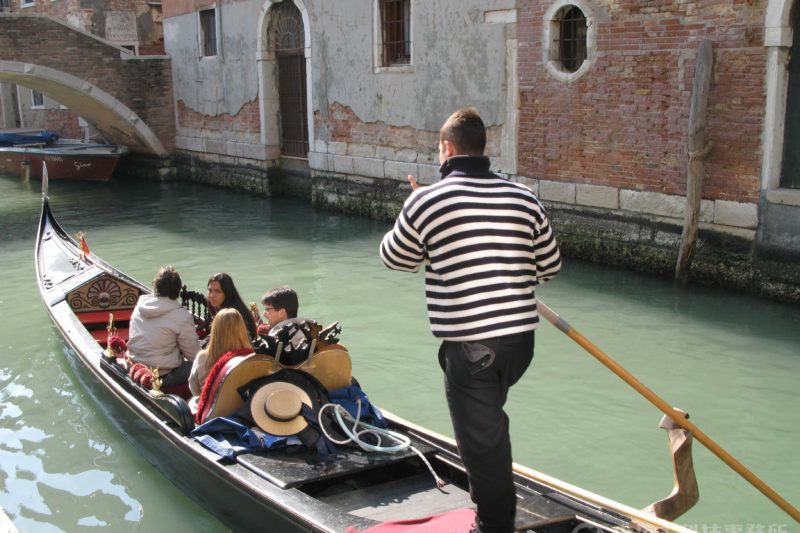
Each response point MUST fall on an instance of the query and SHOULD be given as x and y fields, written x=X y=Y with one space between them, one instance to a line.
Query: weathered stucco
x=457 y=60
x=223 y=83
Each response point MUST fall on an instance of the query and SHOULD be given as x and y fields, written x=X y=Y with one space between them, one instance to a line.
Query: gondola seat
x=223 y=398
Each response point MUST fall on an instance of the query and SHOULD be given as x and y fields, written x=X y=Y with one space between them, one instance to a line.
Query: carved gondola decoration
x=685 y=492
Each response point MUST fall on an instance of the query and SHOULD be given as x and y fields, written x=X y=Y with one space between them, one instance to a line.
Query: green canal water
x=731 y=361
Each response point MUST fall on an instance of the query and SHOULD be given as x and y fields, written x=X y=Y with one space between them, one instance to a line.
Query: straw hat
x=276 y=408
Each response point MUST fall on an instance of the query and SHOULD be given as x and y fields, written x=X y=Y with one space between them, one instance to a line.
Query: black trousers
x=477 y=376
x=178 y=375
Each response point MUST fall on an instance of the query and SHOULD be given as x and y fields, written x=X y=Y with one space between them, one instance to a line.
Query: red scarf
x=209 y=391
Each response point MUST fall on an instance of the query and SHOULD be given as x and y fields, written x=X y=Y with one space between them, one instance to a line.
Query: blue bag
x=228 y=438
x=348 y=398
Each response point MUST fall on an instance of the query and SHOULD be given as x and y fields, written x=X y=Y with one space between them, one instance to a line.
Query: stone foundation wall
x=650 y=244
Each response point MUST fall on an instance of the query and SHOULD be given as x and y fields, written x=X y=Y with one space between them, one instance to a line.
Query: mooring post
x=697 y=150
x=25 y=171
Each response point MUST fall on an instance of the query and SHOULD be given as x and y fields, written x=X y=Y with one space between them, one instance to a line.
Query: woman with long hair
x=228 y=334
x=222 y=294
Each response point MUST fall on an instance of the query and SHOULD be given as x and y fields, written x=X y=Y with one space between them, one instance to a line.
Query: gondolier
x=486 y=243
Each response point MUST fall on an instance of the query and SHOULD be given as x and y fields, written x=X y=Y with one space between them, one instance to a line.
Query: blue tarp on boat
x=14 y=139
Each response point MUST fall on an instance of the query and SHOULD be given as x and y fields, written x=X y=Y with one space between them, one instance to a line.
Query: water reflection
x=36 y=463
x=28 y=481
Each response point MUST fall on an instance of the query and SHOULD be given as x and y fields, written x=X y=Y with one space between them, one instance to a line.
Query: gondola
x=286 y=489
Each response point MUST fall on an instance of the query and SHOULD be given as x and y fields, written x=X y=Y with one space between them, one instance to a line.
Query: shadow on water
x=698 y=304
x=183 y=207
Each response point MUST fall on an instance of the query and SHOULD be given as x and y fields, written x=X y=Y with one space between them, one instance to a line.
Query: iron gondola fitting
x=45 y=181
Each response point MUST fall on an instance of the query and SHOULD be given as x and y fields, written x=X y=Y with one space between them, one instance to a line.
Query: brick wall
x=146 y=85
x=342 y=125
x=90 y=16
x=62 y=121
x=175 y=8
x=246 y=121
x=624 y=123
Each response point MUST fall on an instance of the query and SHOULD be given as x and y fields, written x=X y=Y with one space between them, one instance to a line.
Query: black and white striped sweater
x=486 y=243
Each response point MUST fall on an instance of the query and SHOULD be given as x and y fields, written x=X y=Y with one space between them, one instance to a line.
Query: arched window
x=569 y=39
x=286 y=28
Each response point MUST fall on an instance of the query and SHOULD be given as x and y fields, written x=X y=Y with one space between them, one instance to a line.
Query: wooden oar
x=676 y=416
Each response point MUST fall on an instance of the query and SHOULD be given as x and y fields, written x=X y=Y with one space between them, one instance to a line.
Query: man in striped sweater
x=486 y=244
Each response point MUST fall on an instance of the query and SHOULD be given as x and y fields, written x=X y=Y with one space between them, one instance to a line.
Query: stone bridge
x=127 y=98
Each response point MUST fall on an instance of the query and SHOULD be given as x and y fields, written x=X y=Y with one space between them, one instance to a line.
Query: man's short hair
x=167 y=283
x=466 y=130
x=282 y=297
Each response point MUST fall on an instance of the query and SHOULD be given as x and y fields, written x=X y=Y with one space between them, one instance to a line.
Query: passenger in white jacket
x=162 y=333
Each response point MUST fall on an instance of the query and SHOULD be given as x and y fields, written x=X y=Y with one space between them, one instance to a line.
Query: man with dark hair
x=486 y=244
x=167 y=283
x=162 y=333
x=465 y=129
x=280 y=303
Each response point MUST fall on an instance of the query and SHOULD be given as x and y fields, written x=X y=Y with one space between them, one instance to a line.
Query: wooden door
x=790 y=173
x=289 y=47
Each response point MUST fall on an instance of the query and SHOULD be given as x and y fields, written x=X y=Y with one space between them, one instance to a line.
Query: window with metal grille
x=571 y=38
x=208 y=32
x=37 y=99
x=5 y=5
x=395 y=32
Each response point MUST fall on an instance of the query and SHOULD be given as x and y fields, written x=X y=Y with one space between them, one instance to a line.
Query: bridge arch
x=110 y=116
x=127 y=98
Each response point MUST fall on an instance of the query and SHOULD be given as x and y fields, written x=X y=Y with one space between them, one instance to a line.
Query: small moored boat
x=288 y=488
x=65 y=158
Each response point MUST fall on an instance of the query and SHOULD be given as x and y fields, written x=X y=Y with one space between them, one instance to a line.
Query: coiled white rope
x=403 y=442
